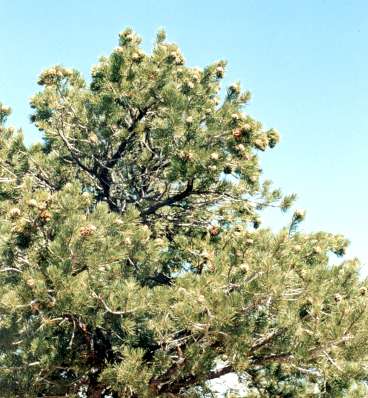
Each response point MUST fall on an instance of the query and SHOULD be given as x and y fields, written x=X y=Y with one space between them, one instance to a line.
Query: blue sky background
x=305 y=62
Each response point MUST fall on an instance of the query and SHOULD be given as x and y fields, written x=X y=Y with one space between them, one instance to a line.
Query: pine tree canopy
x=132 y=260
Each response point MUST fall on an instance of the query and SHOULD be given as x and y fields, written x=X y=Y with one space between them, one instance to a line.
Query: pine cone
x=237 y=133
x=137 y=56
x=45 y=215
x=14 y=212
x=220 y=71
x=88 y=230
x=32 y=203
x=261 y=142
x=337 y=298
x=30 y=282
x=234 y=88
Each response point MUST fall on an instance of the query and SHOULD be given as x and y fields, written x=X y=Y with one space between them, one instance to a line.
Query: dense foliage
x=132 y=262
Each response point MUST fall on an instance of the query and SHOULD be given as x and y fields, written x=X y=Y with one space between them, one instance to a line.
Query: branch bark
x=171 y=200
x=104 y=176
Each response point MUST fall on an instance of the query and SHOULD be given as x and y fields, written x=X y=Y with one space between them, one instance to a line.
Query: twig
x=108 y=309
x=8 y=269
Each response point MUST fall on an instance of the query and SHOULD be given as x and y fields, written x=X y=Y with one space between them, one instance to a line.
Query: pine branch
x=10 y=269
x=220 y=372
x=171 y=200
x=104 y=176
x=123 y=145
x=283 y=357
x=267 y=339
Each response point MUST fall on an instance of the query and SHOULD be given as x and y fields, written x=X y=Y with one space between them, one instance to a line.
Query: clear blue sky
x=305 y=62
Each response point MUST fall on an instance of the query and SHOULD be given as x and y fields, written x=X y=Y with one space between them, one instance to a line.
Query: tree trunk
x=95 y=391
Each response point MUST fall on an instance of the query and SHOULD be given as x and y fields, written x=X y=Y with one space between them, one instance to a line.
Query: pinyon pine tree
x=131 y=259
